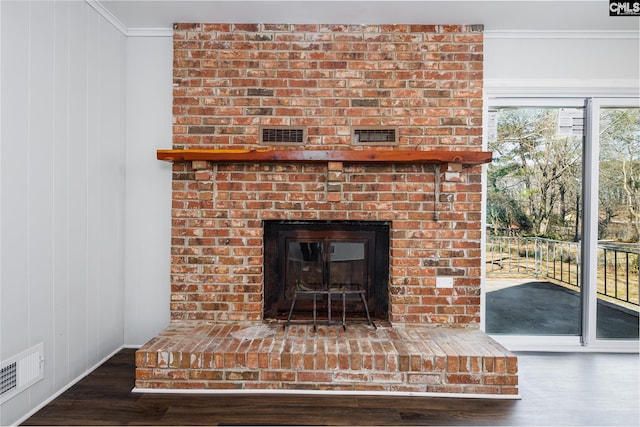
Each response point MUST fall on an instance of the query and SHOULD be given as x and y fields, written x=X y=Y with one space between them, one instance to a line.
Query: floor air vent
x=282 y=135
x=21 y=372
x=374 y=136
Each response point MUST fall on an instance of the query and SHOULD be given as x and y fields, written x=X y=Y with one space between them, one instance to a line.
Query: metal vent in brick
x=8 y=378
x=380 y=136
x=282 y=135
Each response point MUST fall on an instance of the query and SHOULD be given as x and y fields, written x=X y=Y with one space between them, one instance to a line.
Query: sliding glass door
x=562 y=215
x=616 y=136
x=533 y=219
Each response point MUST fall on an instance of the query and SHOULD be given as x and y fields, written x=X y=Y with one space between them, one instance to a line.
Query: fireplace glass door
x=327 y=261
x=322 y=265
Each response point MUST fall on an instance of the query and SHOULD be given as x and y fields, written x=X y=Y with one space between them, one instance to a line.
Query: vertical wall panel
x=78 y=266
x=61 y=177
x=40 y=190
x=14 y=216
x=62 y=162
x=14 y=178
x=92 y=175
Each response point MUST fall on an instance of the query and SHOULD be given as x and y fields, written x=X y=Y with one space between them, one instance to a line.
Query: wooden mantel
x=319 y=156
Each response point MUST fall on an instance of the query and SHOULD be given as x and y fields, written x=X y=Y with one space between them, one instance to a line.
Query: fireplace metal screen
x=319 y=255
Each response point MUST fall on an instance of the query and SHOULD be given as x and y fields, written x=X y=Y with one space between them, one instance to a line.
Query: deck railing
x=560 y=261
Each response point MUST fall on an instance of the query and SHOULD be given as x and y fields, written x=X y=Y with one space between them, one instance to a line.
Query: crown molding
x=106 y=14
x=128 y=32
x=150 y=32
x=544 y=34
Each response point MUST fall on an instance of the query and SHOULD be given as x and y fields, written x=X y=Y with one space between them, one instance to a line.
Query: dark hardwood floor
x=556 y=389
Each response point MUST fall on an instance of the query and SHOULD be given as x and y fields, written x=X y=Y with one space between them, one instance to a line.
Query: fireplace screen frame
x=278 y=234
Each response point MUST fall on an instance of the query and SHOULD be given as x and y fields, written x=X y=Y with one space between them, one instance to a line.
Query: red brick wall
x=424 y=80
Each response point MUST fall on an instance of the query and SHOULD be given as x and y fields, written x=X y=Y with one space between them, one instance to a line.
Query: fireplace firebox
x=311 y=256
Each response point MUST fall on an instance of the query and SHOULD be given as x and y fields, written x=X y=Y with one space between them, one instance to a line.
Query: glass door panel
x=618 y=223
x=347 y=265
x=534 y=220
x=348 y=271
x=304 y=269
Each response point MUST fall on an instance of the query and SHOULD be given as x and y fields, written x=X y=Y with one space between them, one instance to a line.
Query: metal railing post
x=535 y=256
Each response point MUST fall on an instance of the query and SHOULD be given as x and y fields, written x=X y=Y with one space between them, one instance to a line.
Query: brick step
x=267 y=356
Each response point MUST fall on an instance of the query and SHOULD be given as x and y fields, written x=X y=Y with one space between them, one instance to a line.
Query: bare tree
x=620 y=172
x=539 y=168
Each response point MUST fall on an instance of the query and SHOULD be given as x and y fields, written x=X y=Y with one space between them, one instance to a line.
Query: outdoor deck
x=533 y=287
x=529 y=306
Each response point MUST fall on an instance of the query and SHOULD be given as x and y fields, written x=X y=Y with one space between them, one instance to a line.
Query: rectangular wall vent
x=379 y=136
x=282 y=135
x=21 y=372
x=8 y=378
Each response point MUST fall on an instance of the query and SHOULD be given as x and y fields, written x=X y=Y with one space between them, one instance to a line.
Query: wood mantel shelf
x=319 y=156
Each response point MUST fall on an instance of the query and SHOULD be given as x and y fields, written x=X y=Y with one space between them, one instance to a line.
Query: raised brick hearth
x=243 y=356
x=419 y=89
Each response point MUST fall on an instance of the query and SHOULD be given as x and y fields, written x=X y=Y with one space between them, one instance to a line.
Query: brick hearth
x=190 y=355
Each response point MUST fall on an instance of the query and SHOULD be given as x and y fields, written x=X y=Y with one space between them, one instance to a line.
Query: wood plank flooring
x=556 y=389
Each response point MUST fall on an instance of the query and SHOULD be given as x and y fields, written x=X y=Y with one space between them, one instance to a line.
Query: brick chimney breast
x=422 y=81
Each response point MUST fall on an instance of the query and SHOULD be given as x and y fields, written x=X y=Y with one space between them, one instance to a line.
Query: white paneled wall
x=62 y=171
x=148 y=218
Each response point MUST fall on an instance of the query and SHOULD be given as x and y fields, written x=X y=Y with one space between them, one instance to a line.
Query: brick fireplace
x=331 y=124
